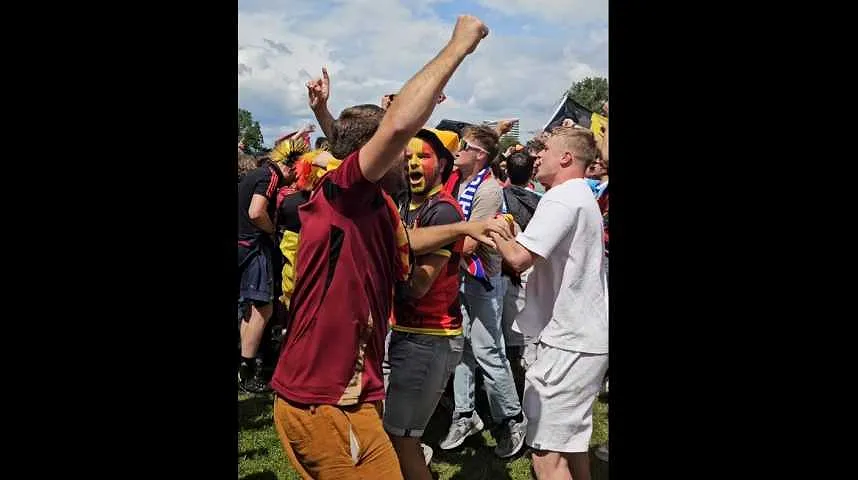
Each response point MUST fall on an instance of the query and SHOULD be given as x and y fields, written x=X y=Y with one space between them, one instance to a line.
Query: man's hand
x=468 y=32
x=481 y=230
x=504 y=126
x=318 y=90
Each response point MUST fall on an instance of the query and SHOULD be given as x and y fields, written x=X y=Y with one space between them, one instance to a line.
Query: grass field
x=260 y=456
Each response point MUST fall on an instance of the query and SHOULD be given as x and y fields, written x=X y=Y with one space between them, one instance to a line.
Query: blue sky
x=535 y=50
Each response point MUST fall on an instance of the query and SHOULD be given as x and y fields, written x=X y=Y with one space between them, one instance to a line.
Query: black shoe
x=254 y=385
x=251 y=380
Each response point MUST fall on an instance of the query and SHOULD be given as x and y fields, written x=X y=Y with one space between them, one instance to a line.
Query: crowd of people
x=391 y=257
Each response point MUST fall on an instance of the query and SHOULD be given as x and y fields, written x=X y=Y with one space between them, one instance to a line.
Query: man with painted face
x=426 y=343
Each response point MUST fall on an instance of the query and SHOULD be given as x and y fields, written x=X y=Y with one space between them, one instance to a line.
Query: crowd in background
x=391 y=269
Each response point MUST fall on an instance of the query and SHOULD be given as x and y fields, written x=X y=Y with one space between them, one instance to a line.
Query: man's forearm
x=419 y=96
x=325 y=119
x=516 y=256
x=428 y=239
x=264 y=222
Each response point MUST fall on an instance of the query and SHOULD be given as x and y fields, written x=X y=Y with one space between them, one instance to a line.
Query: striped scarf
x=466 y=196
x=466 y=199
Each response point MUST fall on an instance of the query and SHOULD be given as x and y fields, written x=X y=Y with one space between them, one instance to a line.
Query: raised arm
x=318 y=91
x=417 y=99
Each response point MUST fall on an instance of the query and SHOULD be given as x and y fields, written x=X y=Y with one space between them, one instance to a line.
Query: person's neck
x=604 y=178
x=564 y=175
x=418 y=199
x=467 y=176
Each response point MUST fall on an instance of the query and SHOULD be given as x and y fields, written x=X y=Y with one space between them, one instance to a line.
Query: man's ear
x=567 y=159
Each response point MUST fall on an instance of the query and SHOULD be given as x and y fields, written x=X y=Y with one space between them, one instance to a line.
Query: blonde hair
x=581 y=142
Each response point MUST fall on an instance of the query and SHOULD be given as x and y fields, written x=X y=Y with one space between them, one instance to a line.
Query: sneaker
x=254 y=383
x=510 y=438
x=462 y=428
x=427 y=453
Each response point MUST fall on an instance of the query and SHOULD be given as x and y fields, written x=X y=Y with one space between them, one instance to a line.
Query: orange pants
x=330 y=442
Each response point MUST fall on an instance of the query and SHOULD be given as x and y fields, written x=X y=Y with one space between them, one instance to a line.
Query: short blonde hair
x=580 y=141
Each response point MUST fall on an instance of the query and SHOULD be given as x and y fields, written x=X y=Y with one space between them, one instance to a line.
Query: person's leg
x=551 y=466
x=316 y=440
x=256 y=288
x=579 y=465
x=465 y=421
x=487 y=343
x=370 y=444
x=420 y=366
x=463 y=377
x=489 y=348
x=252 y=334
x=411 y=459
x=513 y=304
x=282 y=416
x=558 y=402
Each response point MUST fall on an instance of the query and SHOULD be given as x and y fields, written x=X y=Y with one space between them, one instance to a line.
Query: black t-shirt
x=265 y=181
x=287 y=215
x=432 y=212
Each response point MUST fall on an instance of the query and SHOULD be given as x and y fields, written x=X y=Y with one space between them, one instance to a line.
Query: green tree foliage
x=249 y=130
x=590 y=92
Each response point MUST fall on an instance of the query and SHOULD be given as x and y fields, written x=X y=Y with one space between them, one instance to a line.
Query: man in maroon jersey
x=328 y=381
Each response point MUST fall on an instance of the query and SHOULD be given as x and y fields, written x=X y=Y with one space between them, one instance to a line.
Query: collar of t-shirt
x=414 y=206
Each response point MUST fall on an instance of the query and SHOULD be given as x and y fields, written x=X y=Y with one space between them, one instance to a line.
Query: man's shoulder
x=441 y=210
x=489 y=185
x=256 y=175
x=571 y=192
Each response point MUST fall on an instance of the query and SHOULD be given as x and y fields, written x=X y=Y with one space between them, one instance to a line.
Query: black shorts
x=256 y=273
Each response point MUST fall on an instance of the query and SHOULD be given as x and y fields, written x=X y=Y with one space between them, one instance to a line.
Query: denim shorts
x=420 y=367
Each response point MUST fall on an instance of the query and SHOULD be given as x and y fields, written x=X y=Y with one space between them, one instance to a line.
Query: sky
x=535 y=50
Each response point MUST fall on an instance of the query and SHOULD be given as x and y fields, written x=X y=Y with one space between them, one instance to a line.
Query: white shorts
x=559 y=390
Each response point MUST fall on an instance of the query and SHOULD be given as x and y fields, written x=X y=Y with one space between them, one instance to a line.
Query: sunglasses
x=463 y=145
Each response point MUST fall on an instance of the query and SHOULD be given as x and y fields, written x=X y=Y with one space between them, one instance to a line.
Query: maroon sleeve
x=353 y=185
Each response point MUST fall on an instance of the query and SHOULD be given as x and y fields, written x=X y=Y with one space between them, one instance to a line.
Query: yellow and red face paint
x=422 y=165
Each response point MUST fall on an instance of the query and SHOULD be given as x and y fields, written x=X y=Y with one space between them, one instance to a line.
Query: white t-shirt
x=567 y=291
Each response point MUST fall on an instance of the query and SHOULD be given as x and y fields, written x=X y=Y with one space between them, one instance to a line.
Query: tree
x=590 y=92
x=249 y=130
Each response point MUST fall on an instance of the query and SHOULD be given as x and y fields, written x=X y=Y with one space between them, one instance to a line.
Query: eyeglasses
x=463 y=145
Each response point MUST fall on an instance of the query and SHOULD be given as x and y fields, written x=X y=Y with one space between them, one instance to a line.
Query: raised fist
x=468 y=32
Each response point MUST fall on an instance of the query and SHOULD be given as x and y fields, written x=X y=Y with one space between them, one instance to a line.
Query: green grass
x=260 y=456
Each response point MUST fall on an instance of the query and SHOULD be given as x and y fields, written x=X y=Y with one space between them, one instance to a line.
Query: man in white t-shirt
x=566 y=306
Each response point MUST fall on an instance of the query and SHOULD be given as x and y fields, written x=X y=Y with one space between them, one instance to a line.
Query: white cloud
x=372 y=47
x=555 y=11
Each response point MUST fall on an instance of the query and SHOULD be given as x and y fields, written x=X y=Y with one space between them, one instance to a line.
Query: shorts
x=560 y=387
x=420 y=367
x=328 y=442
x=256 y=274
